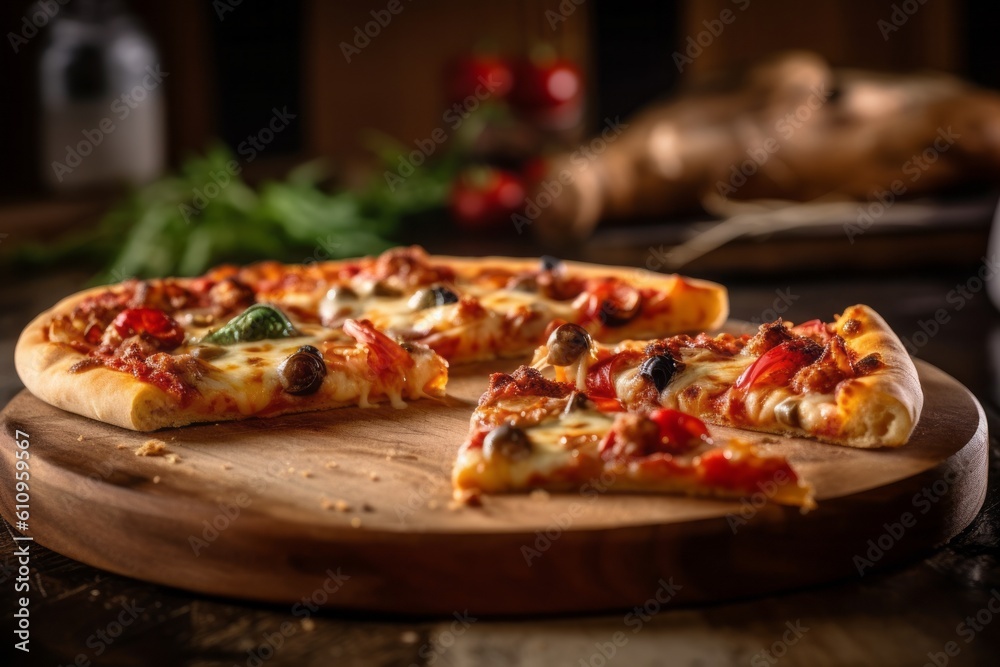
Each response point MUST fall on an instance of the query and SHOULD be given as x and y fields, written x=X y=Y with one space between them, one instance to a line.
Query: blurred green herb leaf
x=185 y=223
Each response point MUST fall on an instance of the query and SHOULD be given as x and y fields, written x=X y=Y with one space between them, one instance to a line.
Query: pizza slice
x=529 y=432
x=848 y=382
x=168 y=352
x=151 y=355
x=470 y=309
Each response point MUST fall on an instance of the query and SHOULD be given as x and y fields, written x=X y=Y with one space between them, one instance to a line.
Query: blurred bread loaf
x=789 y=128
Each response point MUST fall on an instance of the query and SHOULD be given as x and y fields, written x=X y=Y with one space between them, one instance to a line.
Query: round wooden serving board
x=249 y=510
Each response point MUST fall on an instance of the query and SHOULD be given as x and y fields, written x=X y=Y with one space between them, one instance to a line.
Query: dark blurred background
x=231 y=65
x=226 y=72
x=884 y=194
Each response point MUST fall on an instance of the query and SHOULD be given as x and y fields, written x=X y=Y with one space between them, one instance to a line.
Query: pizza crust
x=117 y=398
x=100 y=393
x=700 y=305
x=880 y=409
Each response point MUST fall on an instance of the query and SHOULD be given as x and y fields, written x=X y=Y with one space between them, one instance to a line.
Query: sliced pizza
x=168 y=353
x=243 y=342
x=469 y=309
x=848 y=382
x=529 y=432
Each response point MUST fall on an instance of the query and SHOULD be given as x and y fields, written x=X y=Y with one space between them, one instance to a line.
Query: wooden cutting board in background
x=249 y=510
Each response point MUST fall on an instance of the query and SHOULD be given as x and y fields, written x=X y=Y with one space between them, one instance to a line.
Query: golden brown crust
x=103 y=394
x=872 y=397
x=120 y=399
x=696 y=305
x=880 y=409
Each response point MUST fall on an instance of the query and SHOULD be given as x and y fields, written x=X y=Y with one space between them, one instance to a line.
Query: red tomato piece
x=599 y=382
x=386 y=354
x=479 y=75
x=718 y=468
x=93 y=334
x=679 y=431
x=612 y=302
x=815 y=329
x=484 y=197
x=780 y=363
x=601 y=376
x=608 y=404
x=548 y=91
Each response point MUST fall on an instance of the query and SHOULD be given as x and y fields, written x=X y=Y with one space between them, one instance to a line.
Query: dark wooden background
x=229 y=68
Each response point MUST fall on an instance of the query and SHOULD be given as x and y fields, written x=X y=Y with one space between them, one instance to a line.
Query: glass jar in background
x=103 y=108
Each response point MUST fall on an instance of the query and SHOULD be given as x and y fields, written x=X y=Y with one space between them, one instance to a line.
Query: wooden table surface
x=911 y=615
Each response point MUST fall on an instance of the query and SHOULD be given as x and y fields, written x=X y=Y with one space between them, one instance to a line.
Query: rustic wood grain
x=404 y=549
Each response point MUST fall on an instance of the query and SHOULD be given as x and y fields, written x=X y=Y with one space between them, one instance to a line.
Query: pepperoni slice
x=679 y=432
x=601 y=376
x=779 y=364
x=611 y=302
x=156 y=324
x=815 y=329
x=385 y=353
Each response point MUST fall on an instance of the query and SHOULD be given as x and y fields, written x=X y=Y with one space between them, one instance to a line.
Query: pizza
x=628 y=366
x=271 y=339
x=145 y=367
x=470 y=309
x=529 y=432
x=848 y=382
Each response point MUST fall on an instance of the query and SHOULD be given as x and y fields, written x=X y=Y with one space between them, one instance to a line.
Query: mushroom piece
x=341 y=294
x=787 y=412
x=620 y=305
x=207 y=352
x=508 y=442
x=523 y=282
x=577 y=401
x=567 y=343
x=303 y=371
x=383 y=289
x=431 y=297
x=339 y=302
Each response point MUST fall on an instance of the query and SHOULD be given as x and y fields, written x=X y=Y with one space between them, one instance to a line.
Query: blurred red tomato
x=549 y=91
x=483 y=197
x=479 y=76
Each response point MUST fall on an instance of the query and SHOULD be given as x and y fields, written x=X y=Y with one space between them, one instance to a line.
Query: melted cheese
x=711 y=372
x=396 y=314
x=553 y=434
x=557 y=444
x=245 y=375
x=565 y=456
